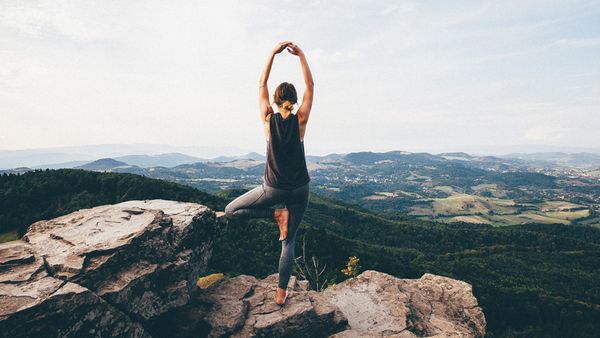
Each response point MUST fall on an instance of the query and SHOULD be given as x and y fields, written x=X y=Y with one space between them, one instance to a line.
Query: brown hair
x=285 y=92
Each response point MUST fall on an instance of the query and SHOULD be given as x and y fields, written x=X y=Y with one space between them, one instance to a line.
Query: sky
x=389 y=75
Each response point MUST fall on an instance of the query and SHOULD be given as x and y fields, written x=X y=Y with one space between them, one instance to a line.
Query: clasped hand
x=291 y=47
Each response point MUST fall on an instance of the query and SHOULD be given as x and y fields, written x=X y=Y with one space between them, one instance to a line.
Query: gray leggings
x=257 y=203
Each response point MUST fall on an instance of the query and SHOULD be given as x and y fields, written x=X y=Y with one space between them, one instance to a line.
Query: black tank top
x=285 y=167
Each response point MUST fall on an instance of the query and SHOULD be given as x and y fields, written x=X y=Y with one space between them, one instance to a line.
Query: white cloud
x=67 y=19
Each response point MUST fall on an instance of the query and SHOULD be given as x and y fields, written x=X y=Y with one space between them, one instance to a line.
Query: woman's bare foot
x=280 y=296
x=281 y=216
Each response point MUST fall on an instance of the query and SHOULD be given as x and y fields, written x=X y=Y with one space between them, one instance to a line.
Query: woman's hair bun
x=285 y=92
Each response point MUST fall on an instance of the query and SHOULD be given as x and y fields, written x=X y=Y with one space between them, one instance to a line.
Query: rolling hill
x=447 y=187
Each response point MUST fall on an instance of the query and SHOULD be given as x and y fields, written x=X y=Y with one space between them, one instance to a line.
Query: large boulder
x=377 y=304
x=35 y=304
x=109 y=270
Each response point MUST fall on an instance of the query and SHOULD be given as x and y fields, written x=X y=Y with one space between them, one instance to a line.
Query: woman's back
x=285 y=167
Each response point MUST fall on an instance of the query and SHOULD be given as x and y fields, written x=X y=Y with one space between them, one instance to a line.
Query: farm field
x=497 y=211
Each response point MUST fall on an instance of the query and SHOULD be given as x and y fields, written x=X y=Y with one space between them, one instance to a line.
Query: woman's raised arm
x=263 y=91
x=307 y=99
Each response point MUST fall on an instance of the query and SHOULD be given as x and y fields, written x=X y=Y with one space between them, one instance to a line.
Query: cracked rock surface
x=378 y=304
x=130 y=270
x=244 y=306
x=112 y=270
x=372 y=304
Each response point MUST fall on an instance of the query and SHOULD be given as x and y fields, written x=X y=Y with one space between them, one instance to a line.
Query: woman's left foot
x=280 y=296
x=282 y=216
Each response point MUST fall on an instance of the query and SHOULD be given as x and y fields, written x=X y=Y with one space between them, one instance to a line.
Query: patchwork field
x=490 y=188
x=497 y=211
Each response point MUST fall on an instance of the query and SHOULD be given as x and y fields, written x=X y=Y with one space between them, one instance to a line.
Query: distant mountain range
x=167 y=160
x=104 y=164
x=171 y=160
x=579 y=160
x=160 y=160
x=154 y=155
x=63 y=157
x=177 y=161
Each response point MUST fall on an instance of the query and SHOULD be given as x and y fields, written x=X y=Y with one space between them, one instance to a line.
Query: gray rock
x=70 y=311
x=244 y=306
x=34 y=303
x=133 y=261
x=130 y=270
x=352 y=333
x=137 y=254
x=377 y=304
x=18 y=262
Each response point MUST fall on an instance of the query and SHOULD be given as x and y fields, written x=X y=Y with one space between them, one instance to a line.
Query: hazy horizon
x=420 y=77
x=211 y=151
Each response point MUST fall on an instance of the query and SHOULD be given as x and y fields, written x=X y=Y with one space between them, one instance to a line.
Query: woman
x=286 y=176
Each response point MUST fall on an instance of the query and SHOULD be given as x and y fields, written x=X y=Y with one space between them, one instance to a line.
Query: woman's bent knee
x=229 y=209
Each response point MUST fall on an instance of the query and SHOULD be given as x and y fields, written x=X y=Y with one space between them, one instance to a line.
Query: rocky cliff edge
x=130 y=270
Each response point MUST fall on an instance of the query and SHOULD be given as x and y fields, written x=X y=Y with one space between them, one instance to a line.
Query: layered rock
x=130 y=270
x=111 y=270
x=373 y=304
x=244 y=306
x=377 y=304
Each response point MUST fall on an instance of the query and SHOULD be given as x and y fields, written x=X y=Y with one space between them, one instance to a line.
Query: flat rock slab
x=87 y=238
x=378 y=304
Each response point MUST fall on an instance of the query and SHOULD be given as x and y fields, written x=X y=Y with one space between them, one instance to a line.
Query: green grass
x=8 y=236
